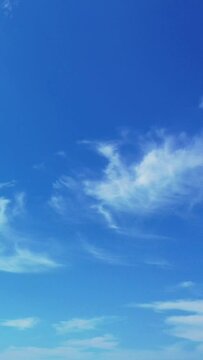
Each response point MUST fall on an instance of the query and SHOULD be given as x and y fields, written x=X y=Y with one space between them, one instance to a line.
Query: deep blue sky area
x=101 y=200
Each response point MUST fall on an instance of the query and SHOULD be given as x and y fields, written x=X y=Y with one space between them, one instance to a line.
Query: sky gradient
x=101 y=196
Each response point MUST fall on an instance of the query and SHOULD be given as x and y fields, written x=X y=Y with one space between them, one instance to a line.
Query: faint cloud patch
x=104 y=256
x=7 y=184
x=8 y=6
x=15 y=255
x=79 y=325
x=21 y=324
x=39 y=166
x=201 y=103
x=190 y=287
x=61 y=154
x=159 y=263
x=186 y=285
x=104 y=342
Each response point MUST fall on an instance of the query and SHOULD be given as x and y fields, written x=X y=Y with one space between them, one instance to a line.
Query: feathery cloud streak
x=15 y=257
x=103 y=255
x=169 y=173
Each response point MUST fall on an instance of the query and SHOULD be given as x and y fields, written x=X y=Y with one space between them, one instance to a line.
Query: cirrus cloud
x=165 y=173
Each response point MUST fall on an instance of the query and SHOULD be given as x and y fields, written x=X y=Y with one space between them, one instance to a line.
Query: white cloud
x=21 y=324
x=195 y=306
x=25 y=261
x=107 y=216
x=188 y=326
x=78 y=325
x=168 y=174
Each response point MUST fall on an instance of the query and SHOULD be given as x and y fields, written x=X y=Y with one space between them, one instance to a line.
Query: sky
x=101 y=196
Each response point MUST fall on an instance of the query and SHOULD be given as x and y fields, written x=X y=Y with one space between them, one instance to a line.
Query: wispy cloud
x=61 y=154
x=186 y=285
x=10 y=209
x=25 y=261
x=195 y=306
x=15 y=255
x=81 y=324
x=4 y=202
x=201 y=103
x=58 y=204
x=39 y=166
x=159 y=263
x=105 y=342
x=105 y=347
x=188 y=326
x=103 y=255
x=8 y=5
x=21 y=324
x=68 y=200
x=166 y=172
x=7 y=184
x=107 y=216
x=19 y=204
x=77 y=349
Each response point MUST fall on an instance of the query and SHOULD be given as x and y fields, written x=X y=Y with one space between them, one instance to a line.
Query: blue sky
x=101 y=198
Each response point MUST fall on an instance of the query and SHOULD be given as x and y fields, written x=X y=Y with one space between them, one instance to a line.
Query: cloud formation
x=7 y=184
x=15 y=255
x=165 y=173
x=188 y=326
x=7 y=6
x=79 y=324
x=25 y=261
x=105 y=342
x=105 y=347
x=21 y=324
